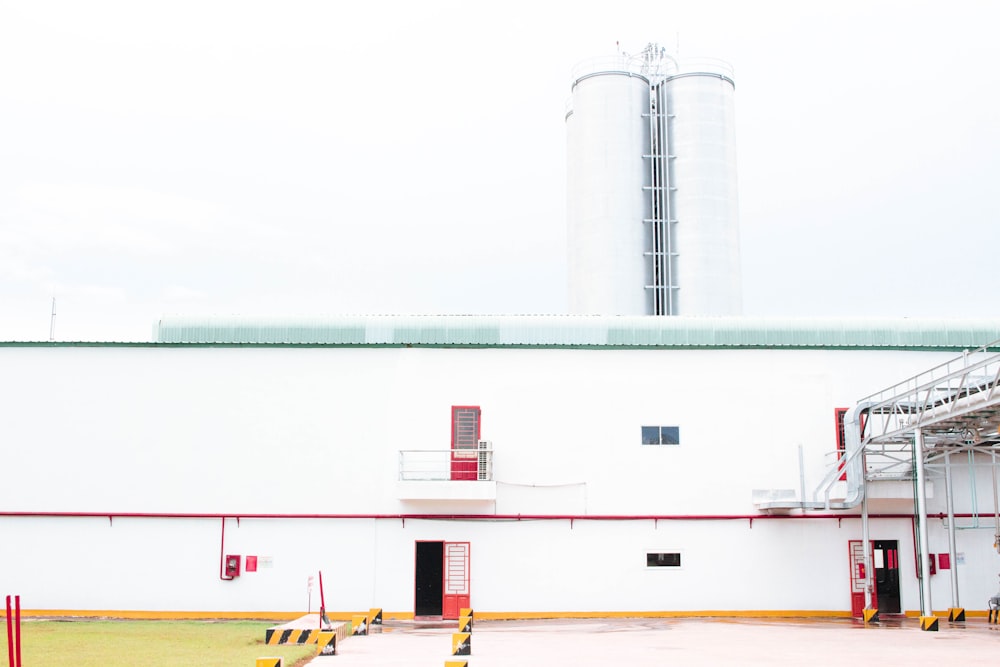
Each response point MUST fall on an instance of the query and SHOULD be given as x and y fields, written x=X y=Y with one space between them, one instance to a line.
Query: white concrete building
x=520 y=465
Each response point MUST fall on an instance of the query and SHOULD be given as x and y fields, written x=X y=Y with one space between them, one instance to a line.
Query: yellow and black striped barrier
x=375 y=616
x=461 y=643
x=871 y=615
x=465 y=624
x=465 y=611
x=456 y=663
x=326 y=643
x=270 y=662
x=359 y=625
x=275 y=636
x=956 y=614
x=929 y=623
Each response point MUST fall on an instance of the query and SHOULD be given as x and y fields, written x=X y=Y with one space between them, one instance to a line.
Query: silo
x=704 y=201
x=651 y=187
x=608 y=135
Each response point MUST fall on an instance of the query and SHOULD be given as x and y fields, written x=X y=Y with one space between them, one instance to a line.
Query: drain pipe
x=802 y=475
x=222 y=554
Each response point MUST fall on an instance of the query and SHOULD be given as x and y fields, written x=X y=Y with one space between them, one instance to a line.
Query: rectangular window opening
x=661 y=435
x=660 y=559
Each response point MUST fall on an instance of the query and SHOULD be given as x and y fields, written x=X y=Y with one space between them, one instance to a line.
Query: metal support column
x=955 y=612
x=996 y=502
x=927 y=620
x=866 y=544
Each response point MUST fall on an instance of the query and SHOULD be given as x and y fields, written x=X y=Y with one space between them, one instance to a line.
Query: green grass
x=85 y=643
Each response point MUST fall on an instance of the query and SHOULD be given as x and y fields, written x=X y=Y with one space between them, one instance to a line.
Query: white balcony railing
x=437 y=465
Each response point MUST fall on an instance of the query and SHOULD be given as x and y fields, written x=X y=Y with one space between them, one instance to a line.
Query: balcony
x=447 y=474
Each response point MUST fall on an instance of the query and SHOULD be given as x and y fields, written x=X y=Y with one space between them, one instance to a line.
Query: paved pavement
x=695 y=642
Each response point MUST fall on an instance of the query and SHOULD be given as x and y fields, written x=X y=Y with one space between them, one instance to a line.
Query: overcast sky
x=293 y=158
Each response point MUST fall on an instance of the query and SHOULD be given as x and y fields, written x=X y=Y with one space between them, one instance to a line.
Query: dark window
x=661 y=435
x=663 y=560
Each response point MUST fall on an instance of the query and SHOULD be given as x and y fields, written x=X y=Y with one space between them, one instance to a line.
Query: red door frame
x=857 y=578
x=839 y=423
x=838 y=419
x=455 y=581
x=457 y=578
x=465 y=458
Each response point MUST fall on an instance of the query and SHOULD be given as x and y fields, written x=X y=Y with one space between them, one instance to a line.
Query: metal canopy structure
x=954 y=404
x=907 y=430
x=913 y=426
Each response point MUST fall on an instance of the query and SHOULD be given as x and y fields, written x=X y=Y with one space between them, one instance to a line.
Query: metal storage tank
x=652 y=204
x=608 y=135
x=705 y=203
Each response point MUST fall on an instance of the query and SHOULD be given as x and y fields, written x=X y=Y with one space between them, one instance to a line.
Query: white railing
x=428 y=465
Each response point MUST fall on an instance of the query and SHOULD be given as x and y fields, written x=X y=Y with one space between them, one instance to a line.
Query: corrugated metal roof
x=581 y=331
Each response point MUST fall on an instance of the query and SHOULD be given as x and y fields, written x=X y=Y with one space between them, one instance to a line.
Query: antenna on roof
x=52 y=321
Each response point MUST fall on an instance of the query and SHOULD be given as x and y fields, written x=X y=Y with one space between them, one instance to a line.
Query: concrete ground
x=644 y=641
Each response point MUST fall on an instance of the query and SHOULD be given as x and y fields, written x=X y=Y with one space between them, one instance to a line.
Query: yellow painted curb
x=929 y=623
x=956 y=614
x=490 y=615
x=697 y=613
x=871 y=616
x=270 y=662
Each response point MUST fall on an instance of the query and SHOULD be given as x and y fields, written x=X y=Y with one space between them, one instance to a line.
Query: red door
x=465 y=441
x=456 y=579
x=858 y=578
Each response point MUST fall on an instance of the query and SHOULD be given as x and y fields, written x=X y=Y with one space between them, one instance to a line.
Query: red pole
x=17 y=626
x=10 y=636
x=322 y=601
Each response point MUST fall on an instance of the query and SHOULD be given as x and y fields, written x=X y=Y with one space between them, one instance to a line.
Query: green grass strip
x=87 y=643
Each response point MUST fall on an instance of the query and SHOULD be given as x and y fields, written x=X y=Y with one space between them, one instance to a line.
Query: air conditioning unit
x=485 y=467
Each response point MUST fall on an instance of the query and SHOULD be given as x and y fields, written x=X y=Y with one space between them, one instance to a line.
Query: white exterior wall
x=316 y=431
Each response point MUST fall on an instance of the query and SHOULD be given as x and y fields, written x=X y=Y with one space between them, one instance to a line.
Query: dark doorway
x=429 y=579
x=886 y=557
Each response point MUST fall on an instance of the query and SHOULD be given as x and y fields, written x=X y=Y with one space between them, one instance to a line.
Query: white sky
x=295 y=158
